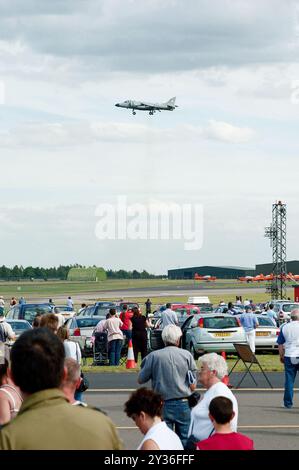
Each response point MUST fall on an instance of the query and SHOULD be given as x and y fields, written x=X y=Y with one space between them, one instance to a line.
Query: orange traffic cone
x=131 y=364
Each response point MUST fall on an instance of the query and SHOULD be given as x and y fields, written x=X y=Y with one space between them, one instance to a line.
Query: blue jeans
x=177 y=415
x=128 y=334
x=290 y=371
x=78 y=395
x=114 y=351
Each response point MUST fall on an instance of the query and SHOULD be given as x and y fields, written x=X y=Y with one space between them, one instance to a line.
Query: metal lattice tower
x=277 y=234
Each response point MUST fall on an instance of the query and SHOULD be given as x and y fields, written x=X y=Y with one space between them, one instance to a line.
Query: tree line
x=60 y=273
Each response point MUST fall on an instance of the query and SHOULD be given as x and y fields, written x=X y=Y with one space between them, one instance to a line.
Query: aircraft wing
x=143 y=103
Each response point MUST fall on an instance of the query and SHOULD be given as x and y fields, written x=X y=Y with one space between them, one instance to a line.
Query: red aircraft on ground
x=245 y=278
x=206 y=278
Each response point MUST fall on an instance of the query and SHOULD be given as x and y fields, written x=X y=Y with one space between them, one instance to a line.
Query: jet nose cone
x=117 y=104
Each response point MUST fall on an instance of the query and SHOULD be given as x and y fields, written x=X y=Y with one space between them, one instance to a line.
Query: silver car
x=81 y=329
x=19 y=326
x=266 y=334
x=212 y=333
x=283 y=309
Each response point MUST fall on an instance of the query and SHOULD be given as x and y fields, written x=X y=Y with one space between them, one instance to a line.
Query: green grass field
x=52 y=288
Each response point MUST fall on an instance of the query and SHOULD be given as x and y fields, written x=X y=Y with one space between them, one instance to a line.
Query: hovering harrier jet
x=151 y=107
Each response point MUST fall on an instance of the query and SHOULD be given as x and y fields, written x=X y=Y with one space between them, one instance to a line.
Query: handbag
x=193 y=399
x=84 y=384
x=191 y=442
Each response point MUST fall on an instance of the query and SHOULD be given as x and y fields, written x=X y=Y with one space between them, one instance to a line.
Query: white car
x=266 y=334
x=283 y=309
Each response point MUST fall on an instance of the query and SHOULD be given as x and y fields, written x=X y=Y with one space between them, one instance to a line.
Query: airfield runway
x=161 y=291
x=261 y=415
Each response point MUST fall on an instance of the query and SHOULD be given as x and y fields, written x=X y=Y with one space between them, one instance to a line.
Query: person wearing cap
x=250 y=323
x=6 y=331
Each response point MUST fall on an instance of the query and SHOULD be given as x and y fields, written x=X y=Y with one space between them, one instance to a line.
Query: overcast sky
x=231 y=146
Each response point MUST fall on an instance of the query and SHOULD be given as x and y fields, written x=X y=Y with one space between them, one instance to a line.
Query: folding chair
x=247 y=356
x=124 y=352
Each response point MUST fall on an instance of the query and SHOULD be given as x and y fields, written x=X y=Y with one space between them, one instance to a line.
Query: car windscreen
x=205 y=309
x=88 y=311
x=22 y=325
x=32 y=311
x=62 y=308
x=102 y=312
x=289 y=307
x=219 y=323
x=264 y=321
x=88 y=322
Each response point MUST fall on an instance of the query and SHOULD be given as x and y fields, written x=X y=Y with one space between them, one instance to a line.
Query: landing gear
x=133 y=112
x=151 y=113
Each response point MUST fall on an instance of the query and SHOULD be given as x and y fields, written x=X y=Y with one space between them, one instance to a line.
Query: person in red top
x=125 y=317
x=221 y=413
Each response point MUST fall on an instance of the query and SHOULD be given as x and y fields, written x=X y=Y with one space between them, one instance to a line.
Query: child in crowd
x=221 y=413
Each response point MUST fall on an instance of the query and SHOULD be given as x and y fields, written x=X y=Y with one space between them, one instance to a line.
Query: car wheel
x=193 y=352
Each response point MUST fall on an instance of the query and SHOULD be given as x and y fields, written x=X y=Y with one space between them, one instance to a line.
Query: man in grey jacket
x=168 y=369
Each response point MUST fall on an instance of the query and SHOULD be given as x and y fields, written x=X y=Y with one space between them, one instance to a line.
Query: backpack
x=2 y=334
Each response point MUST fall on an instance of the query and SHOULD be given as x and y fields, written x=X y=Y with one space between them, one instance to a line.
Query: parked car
x=28 y=311
x=182 y=310
x=63 y=310
x=98 y=309
x=212 y=333
x=203 y=302
x=130 y=305
x=283 y=308
x=81 y=329
x=239 y=309
x=19 y=326
x=188 y=309
x=266 y=334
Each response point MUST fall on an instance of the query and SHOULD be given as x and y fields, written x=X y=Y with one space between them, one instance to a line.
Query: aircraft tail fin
x=171 y=102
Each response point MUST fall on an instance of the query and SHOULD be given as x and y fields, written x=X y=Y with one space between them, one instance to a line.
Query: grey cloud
x=152 y=36
x=22 y=8
x=72 y=134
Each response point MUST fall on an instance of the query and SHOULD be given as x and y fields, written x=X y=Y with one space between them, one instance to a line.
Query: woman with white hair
x=212 y=369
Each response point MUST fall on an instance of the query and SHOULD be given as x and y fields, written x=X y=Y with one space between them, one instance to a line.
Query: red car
x=187 y=309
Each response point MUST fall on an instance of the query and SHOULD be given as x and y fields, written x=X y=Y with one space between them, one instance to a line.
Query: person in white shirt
x=288 y=347
x=168 y=317
x=213 y=369
x=145 y=408
x=71 y=348
x=6 y=331
x=70 y=304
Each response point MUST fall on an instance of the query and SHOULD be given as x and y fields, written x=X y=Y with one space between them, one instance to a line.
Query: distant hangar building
x=221 y=272
x=267 y=268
